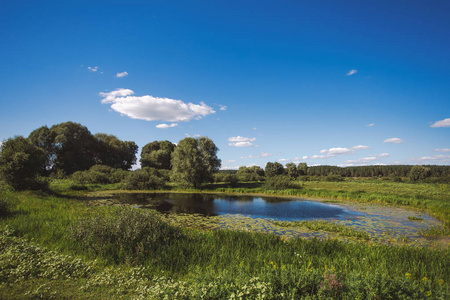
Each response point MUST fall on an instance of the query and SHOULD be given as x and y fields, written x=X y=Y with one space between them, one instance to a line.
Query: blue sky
x=323 y=82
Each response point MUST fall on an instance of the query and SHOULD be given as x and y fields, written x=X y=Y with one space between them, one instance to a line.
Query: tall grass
x=184 y=264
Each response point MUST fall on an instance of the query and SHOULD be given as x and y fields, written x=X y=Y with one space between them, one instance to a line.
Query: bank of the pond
x=58 y=245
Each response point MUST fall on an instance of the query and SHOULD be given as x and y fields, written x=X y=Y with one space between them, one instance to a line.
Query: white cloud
x=122 y=74
x=93 y=69
x=360 y=147
x=284 y=160
x=351 y=72
x=222 y=107
x=241 y=144
x=230 y=160
x=321 y=156
x=440 y=158
x=441 y=123
x=261 y=155
x=394 y=141
x=151 y=108
x=165 y=126
x=337 y=151
x=241 y=139
x=437 y=150
x=366 y=160
x=370 y=125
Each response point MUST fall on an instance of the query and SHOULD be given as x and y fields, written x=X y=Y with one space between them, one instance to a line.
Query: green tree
x=302 y=169
x=74 y=146
x=273 y=169
x=254 y=173
x=21 y=162
x=157 y=155
x=291 y=170
x=194 y=161
x=43 y=138
x=111 y=151
x=419 y=173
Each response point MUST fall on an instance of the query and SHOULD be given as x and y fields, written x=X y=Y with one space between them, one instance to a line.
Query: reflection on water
x=255 y=207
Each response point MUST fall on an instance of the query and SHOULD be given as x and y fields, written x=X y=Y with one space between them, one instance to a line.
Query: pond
x=251 y=206
x=384 y=224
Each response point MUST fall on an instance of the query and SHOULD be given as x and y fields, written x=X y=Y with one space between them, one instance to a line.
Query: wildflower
x=408 y=275
x=441 y=281
x=428 y=293
x=425 y=279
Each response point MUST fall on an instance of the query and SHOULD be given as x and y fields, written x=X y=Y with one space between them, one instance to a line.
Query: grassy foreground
x=54 y=246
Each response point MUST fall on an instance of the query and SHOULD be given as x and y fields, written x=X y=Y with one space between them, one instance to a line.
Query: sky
x=344 y=83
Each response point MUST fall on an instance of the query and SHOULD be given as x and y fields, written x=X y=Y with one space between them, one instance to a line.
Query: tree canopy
x=194 y=161
x=21 y=162
x=157 y=154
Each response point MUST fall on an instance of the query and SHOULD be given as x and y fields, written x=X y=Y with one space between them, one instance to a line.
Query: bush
x=145 y=179
x=21 y=163
x=332 y=177
x=99 y=174
x=419 y=173
x=128 y=235
x=4 y=207
x=280 y=182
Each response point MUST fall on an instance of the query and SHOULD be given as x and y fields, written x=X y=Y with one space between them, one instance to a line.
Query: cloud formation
x=370 y=125
x=367 y=159
x=337 y=151
x=122 y=74
x=441 y=123
x=165 y=126
x=435 y=159
x=93 y=69
x=360 y=147
x=151 y=108
x=437 y=150
x=394 y=141
x=261 y=155
x=240 y=141
x=222 y=107
x=351 y=72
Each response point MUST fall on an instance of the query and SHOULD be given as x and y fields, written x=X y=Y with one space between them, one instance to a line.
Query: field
x=53 y=245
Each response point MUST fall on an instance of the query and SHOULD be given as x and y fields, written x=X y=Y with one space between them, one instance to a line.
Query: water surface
x=251 y=206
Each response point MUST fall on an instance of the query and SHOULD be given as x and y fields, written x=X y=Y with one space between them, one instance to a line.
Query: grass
x=325 y=226
x=55 y=246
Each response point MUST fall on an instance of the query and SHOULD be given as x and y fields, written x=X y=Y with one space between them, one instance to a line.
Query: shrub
x=419 y=173
x=20 y=164
x=126 y=235
x=280 y=182
x=99 y=174
x=145 y=179
x=4 y=207
x=332 y=177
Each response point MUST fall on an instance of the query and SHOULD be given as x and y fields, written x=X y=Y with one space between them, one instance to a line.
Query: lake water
x=384 y=224
x=252 y=206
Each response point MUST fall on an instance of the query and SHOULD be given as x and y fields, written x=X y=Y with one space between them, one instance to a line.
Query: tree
x=21 y=162
x=74 y=147
x=194 y=161
x=43 y=138
x=291 y=170
x=111 y=151
x=254 y=173
x=302 y=169
x=419 y=173
x=157 y=155
x=273 y=169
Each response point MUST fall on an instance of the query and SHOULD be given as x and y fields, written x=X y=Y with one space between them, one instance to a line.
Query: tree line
x=69 y=149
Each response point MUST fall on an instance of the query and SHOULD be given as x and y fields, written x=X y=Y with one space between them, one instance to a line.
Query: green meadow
x=57 y=245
